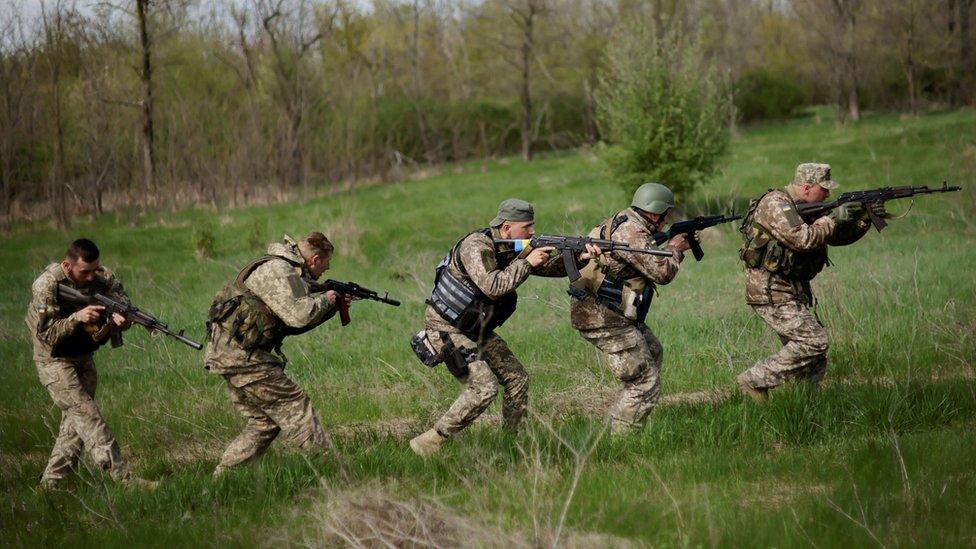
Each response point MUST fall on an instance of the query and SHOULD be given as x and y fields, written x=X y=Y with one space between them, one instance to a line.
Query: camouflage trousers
x=490 y=364
x=634 y=356
x=272 y=403
x=72 y=388
x=804 y=352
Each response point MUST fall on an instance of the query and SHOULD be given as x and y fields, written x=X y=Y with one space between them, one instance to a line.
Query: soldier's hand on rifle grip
x=878 y=209
x=121 y=321
x=538 y=256
x=679 y=244
x=592 y=251
x=89 y=314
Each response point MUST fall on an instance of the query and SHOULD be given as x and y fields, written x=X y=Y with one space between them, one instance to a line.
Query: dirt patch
x=370 y=517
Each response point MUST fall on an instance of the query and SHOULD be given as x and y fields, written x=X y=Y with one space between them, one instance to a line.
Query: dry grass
x=371 y=517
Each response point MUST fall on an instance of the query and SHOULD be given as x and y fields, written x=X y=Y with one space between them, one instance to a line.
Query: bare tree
x=831 y=28
x=291 y=32
x=18 y=85
x=54 y=38
x=146 y=76
x=524 y=14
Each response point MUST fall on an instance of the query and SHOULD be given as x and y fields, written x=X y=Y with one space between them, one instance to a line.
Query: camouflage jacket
x=775 y=212
x=588 y=314
x=278 y=284
x=49 y=317
x=477 y=261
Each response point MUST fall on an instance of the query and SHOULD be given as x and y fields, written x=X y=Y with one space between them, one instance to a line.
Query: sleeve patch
x=488 y=260
x=792 y=217
x=298 y=288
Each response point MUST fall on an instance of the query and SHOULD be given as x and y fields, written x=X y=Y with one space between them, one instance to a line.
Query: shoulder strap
x=453 y=254
x=250 y=267
x=612 y=224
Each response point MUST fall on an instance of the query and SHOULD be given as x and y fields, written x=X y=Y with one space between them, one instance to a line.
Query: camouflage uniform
x=256 y=379
x=632 y=351
x=784 y=302
x=496 y=271
x=63 y=354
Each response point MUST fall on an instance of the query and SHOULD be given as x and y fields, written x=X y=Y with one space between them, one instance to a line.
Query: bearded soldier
x=474 y=293
x=249 y=318
x=783 y=254
x=65 y=338
x=613 y=297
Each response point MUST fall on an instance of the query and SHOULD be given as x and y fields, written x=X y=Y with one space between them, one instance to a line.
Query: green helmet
x=653 y=197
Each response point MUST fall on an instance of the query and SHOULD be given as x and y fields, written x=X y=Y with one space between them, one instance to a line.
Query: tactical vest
x=246 y=319
x=625 y=291
x=461 y=303
x=760 y=249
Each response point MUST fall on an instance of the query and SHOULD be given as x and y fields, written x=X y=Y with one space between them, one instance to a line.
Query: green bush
x=663 y=108
x=204 y=242
x=762 y=94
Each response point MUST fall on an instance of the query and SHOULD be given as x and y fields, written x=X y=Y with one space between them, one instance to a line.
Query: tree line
x=163 y=102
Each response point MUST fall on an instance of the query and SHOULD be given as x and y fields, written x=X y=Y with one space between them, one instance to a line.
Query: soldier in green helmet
x=618 y=288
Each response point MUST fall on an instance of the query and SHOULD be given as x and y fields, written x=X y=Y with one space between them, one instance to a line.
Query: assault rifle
x=350 y=289
x=690 y=226
x=571 y=246
x=812 y=210
x=133 y=314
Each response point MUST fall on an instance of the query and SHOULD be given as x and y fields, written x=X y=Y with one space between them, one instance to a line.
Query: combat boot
x=759 y=396
x=427 y=443
x=140 y=483
x=49 y=484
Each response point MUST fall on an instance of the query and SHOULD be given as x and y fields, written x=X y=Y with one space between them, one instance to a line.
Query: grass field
x=882 y=455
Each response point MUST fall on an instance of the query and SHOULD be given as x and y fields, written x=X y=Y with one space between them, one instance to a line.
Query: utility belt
x=455 y=358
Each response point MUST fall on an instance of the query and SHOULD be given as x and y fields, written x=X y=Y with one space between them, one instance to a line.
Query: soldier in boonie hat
x=812 y=173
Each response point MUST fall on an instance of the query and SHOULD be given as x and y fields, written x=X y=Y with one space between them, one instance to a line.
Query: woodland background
x=160 y=103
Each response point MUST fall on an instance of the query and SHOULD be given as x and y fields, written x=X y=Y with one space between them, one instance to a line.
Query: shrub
x=763 y=94
x=663 y=108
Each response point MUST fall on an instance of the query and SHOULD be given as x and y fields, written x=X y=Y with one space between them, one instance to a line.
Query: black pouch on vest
x=424 y=350
x=456 y=359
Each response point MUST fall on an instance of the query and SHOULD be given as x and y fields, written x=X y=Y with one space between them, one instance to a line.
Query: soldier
x=248 y=321
x=64 y=340
x=617 y=292
x=474 y=293
x=783 y=254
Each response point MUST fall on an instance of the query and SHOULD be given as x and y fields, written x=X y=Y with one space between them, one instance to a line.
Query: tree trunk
x=148 y=154
x=57 y=183
x=525 y=95
x=910 y=61
x=967 y=61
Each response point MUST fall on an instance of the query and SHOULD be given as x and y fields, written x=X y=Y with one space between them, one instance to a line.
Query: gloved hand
x=846 y=212
x=878 y=209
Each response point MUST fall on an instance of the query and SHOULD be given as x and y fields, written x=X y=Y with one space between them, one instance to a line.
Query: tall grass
x=881 y=455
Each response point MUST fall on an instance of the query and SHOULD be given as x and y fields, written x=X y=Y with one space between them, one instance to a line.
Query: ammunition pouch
x=247 y=320
x=761 y=250
x=628 y=296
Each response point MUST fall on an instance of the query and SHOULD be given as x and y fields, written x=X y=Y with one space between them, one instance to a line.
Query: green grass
x=882 y=455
